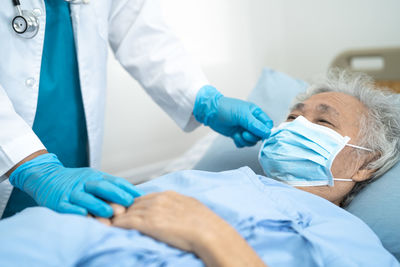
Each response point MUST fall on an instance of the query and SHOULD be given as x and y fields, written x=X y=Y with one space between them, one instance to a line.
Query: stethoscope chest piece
x=26 y=24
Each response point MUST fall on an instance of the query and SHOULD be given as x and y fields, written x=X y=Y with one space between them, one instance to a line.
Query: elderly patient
x=338 y=137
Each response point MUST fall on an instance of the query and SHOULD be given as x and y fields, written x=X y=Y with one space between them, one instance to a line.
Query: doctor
x=52 y=95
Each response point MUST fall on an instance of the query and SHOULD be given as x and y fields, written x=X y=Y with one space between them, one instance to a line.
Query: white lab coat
x=142 y=43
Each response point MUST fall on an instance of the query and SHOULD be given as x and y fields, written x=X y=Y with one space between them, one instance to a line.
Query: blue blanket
x=286 y=227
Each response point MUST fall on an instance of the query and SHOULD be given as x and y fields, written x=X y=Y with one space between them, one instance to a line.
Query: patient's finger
x=129 y=220
x=140 y=205
x=144 y=198
x=118 y=209
x=104 y=221
x=100 y=219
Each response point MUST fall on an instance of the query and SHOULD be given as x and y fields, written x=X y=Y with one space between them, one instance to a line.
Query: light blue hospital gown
x=285 y=226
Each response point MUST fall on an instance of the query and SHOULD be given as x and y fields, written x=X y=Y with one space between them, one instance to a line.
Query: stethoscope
x=26 y=23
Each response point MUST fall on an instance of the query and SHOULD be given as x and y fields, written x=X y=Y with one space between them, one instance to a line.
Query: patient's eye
x=291 y=117
x=322 y=121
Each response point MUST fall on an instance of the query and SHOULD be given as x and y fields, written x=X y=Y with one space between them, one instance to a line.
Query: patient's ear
x=362 y=175
x=363 y=172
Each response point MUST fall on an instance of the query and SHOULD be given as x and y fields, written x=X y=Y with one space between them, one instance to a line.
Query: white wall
x=316 y=31
x=232 y=40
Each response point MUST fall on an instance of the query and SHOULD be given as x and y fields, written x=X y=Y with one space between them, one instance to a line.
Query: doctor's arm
x=28 y=158
x=18 y=143
x=187 y=224
x=25 y=161
x=148 y=49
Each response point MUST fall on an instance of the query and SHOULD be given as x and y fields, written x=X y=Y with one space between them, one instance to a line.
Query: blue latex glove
x=244 y=122
x=72 y=190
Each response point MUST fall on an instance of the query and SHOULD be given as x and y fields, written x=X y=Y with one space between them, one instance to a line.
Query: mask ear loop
x=360 y=147
x=343 y=180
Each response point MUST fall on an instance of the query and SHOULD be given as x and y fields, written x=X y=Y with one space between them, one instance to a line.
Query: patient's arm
x=187 y=224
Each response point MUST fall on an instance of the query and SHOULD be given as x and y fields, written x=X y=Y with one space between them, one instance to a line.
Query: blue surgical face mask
x=301 y=153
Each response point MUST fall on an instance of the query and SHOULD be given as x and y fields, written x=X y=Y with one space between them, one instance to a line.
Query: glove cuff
x=206 y=104
x=19 y=175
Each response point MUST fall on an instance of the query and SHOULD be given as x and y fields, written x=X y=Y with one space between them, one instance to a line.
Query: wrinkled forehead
x=320 y=108
x=335 y=104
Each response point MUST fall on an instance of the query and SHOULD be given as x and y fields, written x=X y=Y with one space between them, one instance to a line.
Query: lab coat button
x=30 y=82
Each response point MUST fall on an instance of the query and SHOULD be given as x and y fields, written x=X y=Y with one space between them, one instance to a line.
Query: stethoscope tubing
x=16 y=2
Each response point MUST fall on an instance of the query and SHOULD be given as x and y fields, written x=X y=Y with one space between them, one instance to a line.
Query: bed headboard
x=383 y=64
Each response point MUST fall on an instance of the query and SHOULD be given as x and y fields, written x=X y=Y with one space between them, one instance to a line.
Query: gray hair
x=379 y=128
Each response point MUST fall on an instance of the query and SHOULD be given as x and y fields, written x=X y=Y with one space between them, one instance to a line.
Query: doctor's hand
x=243 y=121
x=72 y=190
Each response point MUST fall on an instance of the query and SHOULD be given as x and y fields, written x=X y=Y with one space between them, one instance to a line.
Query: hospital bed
x=378 y=205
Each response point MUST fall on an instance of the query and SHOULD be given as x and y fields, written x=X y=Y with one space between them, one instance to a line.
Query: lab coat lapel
x=75 y=12
x=91 y=50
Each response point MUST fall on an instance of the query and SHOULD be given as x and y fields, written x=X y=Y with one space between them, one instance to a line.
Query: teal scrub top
x=60 y=119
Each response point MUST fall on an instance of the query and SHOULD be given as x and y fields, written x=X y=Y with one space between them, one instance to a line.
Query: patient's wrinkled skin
x=342 y=113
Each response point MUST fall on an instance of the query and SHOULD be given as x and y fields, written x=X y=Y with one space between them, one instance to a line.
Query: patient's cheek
x=346 y=164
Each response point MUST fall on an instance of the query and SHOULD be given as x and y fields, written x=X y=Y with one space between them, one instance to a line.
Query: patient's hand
x=171 y=218
x=187 y=224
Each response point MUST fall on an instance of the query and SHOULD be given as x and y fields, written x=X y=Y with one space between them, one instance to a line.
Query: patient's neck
x=326 y=192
